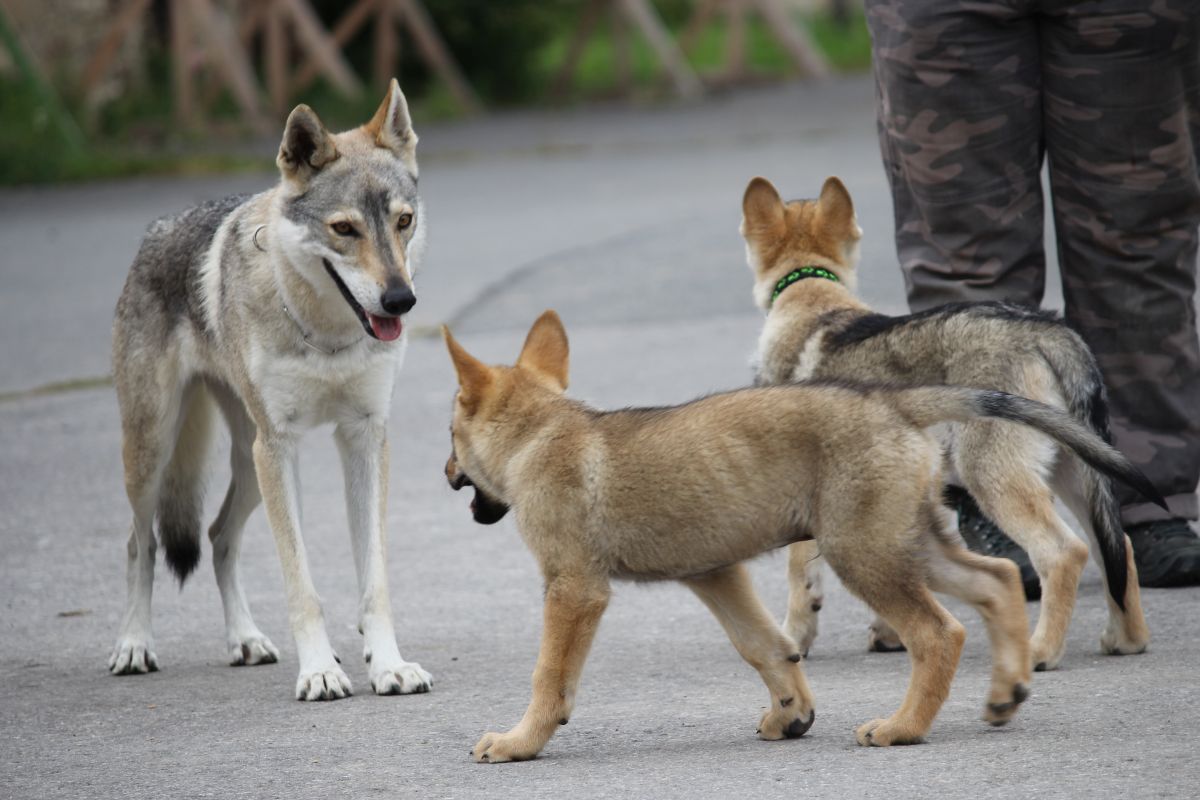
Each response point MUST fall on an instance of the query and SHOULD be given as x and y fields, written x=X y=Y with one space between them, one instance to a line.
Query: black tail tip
x=182 y=555
x=1136 y=479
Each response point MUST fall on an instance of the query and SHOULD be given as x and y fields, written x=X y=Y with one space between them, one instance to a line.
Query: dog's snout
x=454 y=476
x=398 y=300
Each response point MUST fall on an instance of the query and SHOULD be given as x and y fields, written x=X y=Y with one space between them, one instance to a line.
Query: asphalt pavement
x=625 y=221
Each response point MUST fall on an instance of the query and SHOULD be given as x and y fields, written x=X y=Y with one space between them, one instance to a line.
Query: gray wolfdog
x=285 y=311
x=820 y=329
x=689 y=492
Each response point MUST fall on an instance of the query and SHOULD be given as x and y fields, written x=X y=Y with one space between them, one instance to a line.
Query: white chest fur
x=301 y=391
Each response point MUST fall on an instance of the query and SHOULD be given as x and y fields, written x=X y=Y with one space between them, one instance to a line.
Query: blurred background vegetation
x=510 y=52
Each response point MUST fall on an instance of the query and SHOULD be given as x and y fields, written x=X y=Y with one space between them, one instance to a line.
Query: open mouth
x=384 y=328
x=485 y=509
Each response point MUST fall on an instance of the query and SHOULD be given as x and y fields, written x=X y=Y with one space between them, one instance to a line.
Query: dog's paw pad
x=799 y=726
x=132 y=657
x=327 y=684
x=251 y=651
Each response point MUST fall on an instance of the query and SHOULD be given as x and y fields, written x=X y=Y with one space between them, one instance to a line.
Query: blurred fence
x=260 y=55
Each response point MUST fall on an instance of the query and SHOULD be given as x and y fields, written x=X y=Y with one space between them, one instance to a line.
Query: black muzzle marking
x=359 y=311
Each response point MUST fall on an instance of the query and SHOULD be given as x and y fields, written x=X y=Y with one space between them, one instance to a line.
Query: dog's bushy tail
x=1083 y=387
x=929 y=405
x=181 y=497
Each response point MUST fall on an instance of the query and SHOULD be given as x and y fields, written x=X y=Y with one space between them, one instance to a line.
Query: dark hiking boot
x=985 y=537
x=1167 y=553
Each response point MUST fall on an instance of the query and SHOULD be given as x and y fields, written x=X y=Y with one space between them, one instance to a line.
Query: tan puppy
x=689 y=492
x=819 y=329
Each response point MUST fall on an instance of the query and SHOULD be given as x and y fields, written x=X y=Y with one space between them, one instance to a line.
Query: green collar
x=799 y=275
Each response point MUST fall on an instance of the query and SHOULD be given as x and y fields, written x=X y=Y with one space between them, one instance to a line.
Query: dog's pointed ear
x=546 y=353
x=391 y=127
x=837 y=210
x=306 y=145
x=762 y=209
x=473 y=375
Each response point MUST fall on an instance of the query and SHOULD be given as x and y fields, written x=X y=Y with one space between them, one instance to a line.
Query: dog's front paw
x=403 y=678
x=328 y=683
x=787 y=722
x=252 y=650
x=132 y=656
x=885 y=733
x=495 y=748
x=1000 y=710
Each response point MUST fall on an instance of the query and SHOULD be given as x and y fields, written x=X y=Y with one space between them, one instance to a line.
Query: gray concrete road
x=625 y=221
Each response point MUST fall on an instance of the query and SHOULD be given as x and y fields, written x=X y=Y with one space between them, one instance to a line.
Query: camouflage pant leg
x=958 y=91
x=968 y=93
x=1121 y=100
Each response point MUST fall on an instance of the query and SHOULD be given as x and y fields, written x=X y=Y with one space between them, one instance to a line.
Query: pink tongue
x=386 y=328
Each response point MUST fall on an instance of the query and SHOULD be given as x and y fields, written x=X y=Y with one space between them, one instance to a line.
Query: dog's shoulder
x=165 y=273
x=189 y=231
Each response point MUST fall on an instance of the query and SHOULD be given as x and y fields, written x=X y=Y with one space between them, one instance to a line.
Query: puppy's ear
x=473 y=375
x=762 y=210
x=391 y=127
x=546 y=353
x=306 y=145
x=836 y=210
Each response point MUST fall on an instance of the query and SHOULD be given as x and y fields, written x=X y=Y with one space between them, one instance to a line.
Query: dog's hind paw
x=407 y=678
x=882 y=639
x=1115 y=643
x=252 y=650
x=132 y=656
x=327 y=684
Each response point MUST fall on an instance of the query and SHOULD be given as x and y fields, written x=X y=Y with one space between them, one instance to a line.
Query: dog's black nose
x=398 y=300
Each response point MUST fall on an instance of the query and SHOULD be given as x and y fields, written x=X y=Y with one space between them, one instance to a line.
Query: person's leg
x=958 y=95
x=1121 y=83
x=958 y=98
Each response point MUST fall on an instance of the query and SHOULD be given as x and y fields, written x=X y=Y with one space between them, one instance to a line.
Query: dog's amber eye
x=404 y=221
x=343 y=228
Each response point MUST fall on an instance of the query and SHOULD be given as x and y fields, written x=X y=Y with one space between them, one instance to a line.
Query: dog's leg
x=993 y=587
x=887 y=574
x=246 y=644
x=134 y=650
x=149 y=420
x=364 y=452
x=1023 y=506
x=730 y=596
x=573 y=607
x=1003 y=467
x=1127 y=632
x=805 y=594
x=275 y=464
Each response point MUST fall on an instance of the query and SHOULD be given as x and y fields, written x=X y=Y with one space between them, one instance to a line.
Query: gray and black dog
x=284 y=310
x=819 y=329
